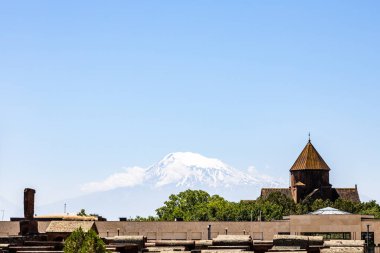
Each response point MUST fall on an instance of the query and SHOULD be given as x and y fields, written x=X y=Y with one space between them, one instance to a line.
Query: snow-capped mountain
x=191 y=169
x=183 y=169
x=140 y=191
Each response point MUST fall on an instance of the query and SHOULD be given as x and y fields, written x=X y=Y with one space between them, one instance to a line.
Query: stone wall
x=297 y=224
x=327 y=223
x=192 y=230
x=8 y=228
x=374 y=226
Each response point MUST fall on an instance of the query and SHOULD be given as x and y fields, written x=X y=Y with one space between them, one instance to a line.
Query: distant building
x=59 y=230
x=309 y=179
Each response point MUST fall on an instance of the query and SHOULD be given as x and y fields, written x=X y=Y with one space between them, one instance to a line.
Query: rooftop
x=309 y=159
x=329 y=211
x=69 y=226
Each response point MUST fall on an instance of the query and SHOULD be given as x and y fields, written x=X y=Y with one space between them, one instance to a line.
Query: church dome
x=309 y=159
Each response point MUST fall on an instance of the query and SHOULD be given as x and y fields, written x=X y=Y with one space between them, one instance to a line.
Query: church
x=309 y=180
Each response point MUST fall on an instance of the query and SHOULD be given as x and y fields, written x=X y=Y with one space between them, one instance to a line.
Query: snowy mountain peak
x=184 y=169
x=190 y=159
x=192 y=169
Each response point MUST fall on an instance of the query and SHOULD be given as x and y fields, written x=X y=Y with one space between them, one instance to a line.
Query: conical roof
x=309 y=159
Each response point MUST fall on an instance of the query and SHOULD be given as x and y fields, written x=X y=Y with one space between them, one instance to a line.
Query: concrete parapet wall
x=192 y=230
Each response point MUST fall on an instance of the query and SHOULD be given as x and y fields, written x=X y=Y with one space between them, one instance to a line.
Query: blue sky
x=90 y=87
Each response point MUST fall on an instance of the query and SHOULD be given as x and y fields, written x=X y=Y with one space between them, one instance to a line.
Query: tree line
x=198 y=205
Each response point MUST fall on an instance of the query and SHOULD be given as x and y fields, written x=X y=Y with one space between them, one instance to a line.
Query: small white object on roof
x=329 y=210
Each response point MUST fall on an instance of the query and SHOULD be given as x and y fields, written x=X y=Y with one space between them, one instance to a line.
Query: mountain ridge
x=140 y=191
x=186 y=169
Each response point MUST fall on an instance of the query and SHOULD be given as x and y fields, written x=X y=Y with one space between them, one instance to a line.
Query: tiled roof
x=67 y=217
x=266 y=191
x=69 y=226
x=309 y=159
x=350 y=194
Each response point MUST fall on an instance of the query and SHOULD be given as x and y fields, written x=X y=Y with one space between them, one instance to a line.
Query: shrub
x=84 y=242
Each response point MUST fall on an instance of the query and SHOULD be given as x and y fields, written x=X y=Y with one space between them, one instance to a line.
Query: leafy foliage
x=82 y=212
x=74 y=242
x=187 y=205
x=198 y=205
x=82 y=242
x=139 y=218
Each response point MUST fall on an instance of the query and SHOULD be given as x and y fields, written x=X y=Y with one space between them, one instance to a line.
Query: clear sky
x=90 y=87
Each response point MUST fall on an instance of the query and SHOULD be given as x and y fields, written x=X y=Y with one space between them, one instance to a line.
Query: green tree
x=318 y=204
x=93 y=243
x=219 y=209
x=301 y=209
x=82 y=212
x=197 y=205
x=74 y=243
x=246 y=210
x=190 y=205
x=275 y=206
x=346 y=205
x=84 y=242
x=370 y=208
x=149 y=218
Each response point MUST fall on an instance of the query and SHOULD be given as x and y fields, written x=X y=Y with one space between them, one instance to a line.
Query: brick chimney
x=28 y=226
x=29 y=203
